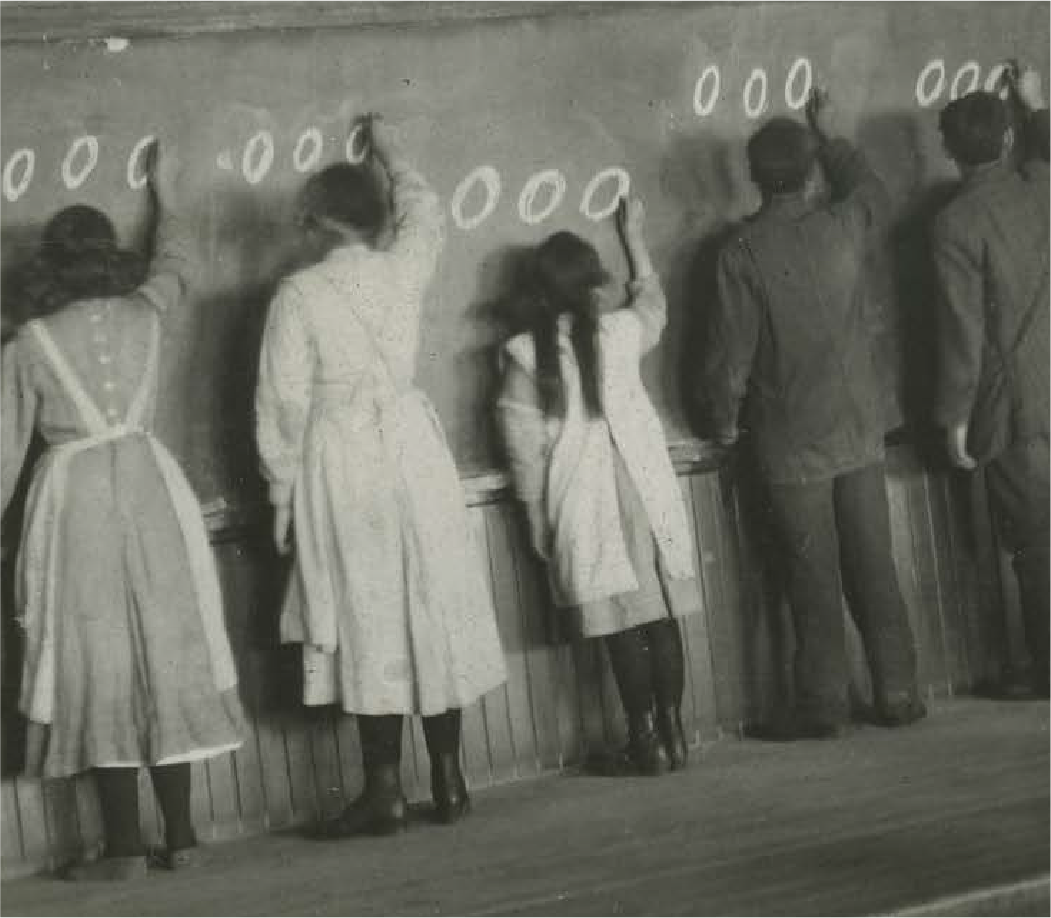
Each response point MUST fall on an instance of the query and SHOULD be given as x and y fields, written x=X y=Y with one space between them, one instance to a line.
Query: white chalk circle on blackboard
x=752 y=108
x=76 y=178
x=706 y=91
x=490 y=180
x=614 y=173
x=972 y=69
x=796 y=99
x=137 y=177
x=551 y=178
x=357 y=148
x=926 y=95
x=25 y=158
x=312 y=142
x=993 y=80
x=258 y=157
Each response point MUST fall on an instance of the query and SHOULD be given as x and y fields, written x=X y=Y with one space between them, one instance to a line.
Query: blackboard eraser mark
x=225 y=161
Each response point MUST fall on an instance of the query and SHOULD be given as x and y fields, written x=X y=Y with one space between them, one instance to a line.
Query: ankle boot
x=381 y=809
x=448 y=788
x=669 y=726
x=645 y=749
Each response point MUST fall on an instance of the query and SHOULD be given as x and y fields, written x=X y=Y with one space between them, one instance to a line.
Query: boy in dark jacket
x=991 y=253
x=790 y=349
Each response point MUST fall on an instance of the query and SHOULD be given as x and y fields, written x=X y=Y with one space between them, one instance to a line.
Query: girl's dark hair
x=348 y=194
x=566 y=272
x=78 y=259
x=973 y=127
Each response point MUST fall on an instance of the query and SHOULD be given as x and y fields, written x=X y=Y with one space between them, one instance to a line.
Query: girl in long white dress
x=127 y=661
x=591 y=466
x=387 y=595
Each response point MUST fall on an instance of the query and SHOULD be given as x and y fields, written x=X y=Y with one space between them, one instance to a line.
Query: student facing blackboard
x=387 y=595
x=126 y=662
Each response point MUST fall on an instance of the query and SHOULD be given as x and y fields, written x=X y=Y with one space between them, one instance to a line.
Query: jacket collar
x=988 y=172
x=786 y=206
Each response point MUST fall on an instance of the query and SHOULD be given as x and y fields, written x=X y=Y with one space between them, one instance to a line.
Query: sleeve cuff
x=838 y=154
x=642 y=284
x=280 y=493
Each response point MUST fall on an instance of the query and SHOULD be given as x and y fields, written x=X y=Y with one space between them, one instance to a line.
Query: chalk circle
x=552 y=178
x=74 y=179
x=925 y=94
x=490 y=179
x=312 y=141
x=136 y=178
x=994 y=78
x=758 y=75
x=797 y=99
x=26 y=159
x=355 y=139
x=972 y=69
x=706 y=91
x=258 y=157
x=587 y=207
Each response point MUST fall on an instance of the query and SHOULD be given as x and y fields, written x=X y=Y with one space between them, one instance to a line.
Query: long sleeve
x=174 y=266
x=419 y=223
x=19 y=409
x=961 y=321
x=647 y=301
x=732 y=335
x=283 y=392
x=861 y=199
x=1037 y=140
x=524 y=432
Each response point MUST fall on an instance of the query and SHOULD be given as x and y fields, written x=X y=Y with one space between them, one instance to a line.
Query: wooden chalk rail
x=226 y=522
x=86 y=20
x=298 y=764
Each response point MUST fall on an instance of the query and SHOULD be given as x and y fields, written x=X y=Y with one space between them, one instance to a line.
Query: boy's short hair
x=973 y=127
x=781 y=156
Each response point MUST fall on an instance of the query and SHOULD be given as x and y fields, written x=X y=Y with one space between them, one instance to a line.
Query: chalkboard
x=524 y=123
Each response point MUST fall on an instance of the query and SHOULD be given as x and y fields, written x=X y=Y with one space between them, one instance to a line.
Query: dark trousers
x=1019 y=494
x=835 y=540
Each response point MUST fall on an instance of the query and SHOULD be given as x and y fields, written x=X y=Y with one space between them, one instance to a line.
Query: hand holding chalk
x=1025 y=85
x=821 y=113
x=383 y=138
x=631 y=215
x=366 y=127
x=162 y=173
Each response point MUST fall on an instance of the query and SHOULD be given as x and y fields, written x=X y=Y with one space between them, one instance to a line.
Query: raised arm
x=1026 y=89
x=417 y=215
x=860 y=198
x=645 y=294
x=173 y=261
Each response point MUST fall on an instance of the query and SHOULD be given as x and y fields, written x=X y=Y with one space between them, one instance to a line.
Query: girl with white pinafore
x=387 y=594
x=126 y=656
x=591 y=468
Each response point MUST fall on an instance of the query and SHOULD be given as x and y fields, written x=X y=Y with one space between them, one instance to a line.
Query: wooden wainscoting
x=298 y=764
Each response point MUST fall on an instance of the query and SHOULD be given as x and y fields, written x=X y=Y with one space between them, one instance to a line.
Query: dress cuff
x=280 y=493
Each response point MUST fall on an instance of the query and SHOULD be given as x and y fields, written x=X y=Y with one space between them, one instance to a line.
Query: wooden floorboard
x=877 y=822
